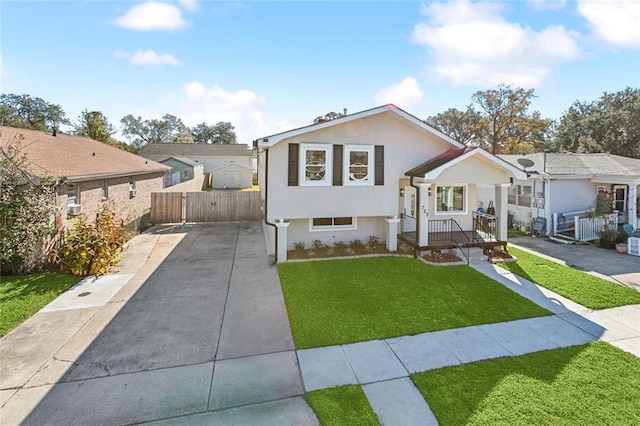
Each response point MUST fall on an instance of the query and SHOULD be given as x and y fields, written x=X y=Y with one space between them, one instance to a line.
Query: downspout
x=266 y=201
x=417 y=244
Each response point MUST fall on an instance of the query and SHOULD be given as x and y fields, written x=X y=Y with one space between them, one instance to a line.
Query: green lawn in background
x=594 y=384
x=344 y=405
x=585 y=289
x=21 y=296
x=343 y=301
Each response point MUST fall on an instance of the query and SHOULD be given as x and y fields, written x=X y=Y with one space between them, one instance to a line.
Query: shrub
x=357 y=246
x=319 y=248
x=374 y=243
x=93 y=248
x=339 y=248
x=299 y=247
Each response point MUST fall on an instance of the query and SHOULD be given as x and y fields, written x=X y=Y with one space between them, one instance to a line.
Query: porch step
x=476 y=255
x=559 y=238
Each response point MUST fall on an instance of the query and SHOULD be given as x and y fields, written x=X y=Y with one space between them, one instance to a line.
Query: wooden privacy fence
x=214 y=206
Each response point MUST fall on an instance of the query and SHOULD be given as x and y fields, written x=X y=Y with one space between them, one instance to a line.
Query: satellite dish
x=525 y=162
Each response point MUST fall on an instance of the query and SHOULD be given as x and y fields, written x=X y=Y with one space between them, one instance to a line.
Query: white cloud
x=472 y=44
x=546 y=4
x=616 y=21
x=148 y=57
x=244 y=109
x=406 y=94
x=152 y=16
x=189 y=4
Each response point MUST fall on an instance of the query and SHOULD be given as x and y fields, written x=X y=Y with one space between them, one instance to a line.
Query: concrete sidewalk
x=191 y=329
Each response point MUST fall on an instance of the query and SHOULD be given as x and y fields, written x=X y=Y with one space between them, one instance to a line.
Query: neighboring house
x=567 y=185
x=182 y=170
x=90 y=173
x=380 y=172
x=231 y=176
x=209 y=155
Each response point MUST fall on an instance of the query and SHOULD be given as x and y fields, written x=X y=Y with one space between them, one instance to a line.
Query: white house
x=209 y=155
x=379 y=172
x=567 y=184
x=231 y=176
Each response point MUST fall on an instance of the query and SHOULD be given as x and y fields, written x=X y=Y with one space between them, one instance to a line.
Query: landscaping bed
x=342 y=301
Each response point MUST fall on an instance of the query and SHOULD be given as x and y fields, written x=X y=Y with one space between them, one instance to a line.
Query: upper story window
x=316 y=162
x=451 y=199
x=359 y=161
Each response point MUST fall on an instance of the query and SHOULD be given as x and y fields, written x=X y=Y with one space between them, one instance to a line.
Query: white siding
x=298 y=232
x=571 y=195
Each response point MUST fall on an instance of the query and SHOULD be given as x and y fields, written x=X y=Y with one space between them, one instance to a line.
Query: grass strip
x=580 y=385
x=585 y=289
x=21 y=296
x=344 y=301
x=343 y=405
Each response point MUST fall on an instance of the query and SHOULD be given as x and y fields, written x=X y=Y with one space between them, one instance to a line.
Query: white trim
x=352 y=227
x=328 y=167
x=346 y=165
x=274 y=139
x=516 y=172
x=451 y=212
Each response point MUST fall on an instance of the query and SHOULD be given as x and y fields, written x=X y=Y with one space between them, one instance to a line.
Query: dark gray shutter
x=379 y=166
x=337 y=165
x=294 y=150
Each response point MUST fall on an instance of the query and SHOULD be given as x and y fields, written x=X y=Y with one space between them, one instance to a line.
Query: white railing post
x=555 y=224
x=578 y=231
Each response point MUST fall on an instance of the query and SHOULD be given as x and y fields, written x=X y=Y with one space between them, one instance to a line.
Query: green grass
x=580 y=385
x=582 y=288
x=21 y=296
x=343 y=301
x=344 y=405
x=512 y=233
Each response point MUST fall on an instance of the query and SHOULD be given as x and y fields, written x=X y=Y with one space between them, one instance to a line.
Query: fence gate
x=214 y=206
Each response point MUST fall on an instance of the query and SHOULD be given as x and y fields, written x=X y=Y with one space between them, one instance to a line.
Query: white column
x=422 y=215
x=281 y=255
x=633 y=199
x=392 y=232
x=501 y=210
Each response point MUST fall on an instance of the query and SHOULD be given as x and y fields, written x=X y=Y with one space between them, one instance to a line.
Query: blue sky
x=272 y=66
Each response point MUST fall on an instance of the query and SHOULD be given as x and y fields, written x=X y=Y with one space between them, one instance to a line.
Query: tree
x=222 y=133
x=168 y=129
x=610 y=124
x=28 y=112
x=94 y=125
x=329 y=116
x=510 y=128
x=467 y=127
x=27 y=205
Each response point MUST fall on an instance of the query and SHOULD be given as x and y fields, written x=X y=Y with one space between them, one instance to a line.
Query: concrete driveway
x=197 y=332
x=608 y=264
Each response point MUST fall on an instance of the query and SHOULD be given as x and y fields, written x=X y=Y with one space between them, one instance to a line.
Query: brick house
x=90 y=173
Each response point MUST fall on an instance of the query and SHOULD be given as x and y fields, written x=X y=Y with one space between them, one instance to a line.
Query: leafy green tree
x=510 y=126
x=27 y=209
x=168 y=129
x=94 y=125
x=467 y=127
x=609 y=124
x=221 y=133
x=28 y=112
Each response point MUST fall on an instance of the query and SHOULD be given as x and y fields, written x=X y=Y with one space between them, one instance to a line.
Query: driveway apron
x=205 y=336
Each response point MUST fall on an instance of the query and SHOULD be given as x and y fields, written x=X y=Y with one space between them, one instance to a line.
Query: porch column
x=422 y=215
x=633 y=206
x=501 y=210
x=392 y=232
x=281 y=255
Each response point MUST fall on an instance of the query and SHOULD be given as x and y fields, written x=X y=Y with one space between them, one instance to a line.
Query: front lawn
x=344 y=405
x=334 y=302
x=580 y=385
x=21 y=296
x=585 y=289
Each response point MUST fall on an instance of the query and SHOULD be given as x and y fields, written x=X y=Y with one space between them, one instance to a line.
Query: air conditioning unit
x=74 y=209
x=132 y=193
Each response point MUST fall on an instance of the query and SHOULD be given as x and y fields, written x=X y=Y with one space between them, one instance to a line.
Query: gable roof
x=196 y=149
x=231 y=165
x=182 y=160
x=432 y=168
x=578 y=165
x=75 y=157
x=389 y=108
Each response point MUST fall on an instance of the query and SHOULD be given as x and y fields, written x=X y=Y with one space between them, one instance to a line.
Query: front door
x=620 y=198
x=410 y=209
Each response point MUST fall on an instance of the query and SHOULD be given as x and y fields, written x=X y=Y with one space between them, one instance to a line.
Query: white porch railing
x=584 y=228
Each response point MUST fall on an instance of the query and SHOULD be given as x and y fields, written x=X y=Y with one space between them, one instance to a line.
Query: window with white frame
x=359 y=164
x=519 y=195
x=451 y=199
x=332 y=223
x=316 y=164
